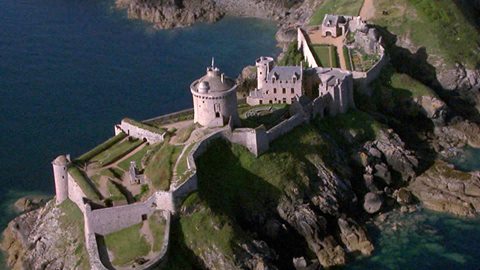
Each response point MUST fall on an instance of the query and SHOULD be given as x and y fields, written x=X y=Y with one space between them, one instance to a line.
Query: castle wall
x=139 y=133
x=170 y=118
x=75 y=193
x=285 y=126
x=363 y=79
x=302 y=44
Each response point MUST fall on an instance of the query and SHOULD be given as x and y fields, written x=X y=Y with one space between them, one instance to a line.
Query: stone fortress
x=310 y=92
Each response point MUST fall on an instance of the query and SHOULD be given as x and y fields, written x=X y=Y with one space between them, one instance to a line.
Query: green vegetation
x=127 y=245
x=101 y=147
x=341 y=7
x=268 y=118
x=182 y=166
x=352 y=127
x=116 y=152
x=156 y=223
x=160 y=166
x=144 y=126
x=439 y=26
x=326 y=55
x=217 y=230
x=363 y=61
x=85 y=184
x=414 y=87
x=185 y=133
x=71 y=221
x=116 y=194
x=137 y=157
x=144 y=190
x=292 y=56
x=348 y=58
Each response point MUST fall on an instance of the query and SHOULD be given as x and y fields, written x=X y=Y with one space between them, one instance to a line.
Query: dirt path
x=367 y=11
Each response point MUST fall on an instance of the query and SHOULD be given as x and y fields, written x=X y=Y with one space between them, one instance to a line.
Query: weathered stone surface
x=39 y=240
x=404 y=196
x=354 y=237
x=372 y=202
x=442 y=188
x=30 y=203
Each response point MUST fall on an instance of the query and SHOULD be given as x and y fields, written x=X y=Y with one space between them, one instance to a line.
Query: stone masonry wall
x=75 y=193
x=285 y=126
x=139 y=133
x=302 y=44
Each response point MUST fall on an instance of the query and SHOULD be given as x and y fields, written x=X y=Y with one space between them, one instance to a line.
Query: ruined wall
x=139 y=133
x=302 y=44
x=285 y=126
x=362 y=79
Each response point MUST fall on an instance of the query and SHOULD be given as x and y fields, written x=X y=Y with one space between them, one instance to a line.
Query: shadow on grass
x=417 y=66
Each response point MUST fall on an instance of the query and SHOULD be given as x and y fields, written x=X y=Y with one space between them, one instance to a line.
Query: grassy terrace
x=101 y=147
x=127 y=245
x=348 y=58
x=116 y=152
x=341 y=7
x=326 y=55
x=85 y=184
x=160 y=165
x=137 y=157
x=268 y=119
x=182 y=166
x=156 y=223
x=439 y=26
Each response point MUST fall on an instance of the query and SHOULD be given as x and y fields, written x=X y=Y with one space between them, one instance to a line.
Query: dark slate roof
x=285 y=73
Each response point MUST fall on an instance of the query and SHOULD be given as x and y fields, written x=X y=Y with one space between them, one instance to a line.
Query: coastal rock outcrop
x=171 y=13
x=47 y=238
x=443 y=188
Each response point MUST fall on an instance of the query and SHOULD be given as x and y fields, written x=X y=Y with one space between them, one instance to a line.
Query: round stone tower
x=264 y=65
x=214 y=99
x=60 y=175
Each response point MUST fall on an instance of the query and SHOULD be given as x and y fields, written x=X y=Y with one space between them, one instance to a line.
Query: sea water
x=71 y=69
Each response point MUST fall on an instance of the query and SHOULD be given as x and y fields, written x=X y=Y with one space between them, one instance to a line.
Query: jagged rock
x=381 y=171
x=396 y=156
x=312 y=227
x=442 y=188
x=404 y=196
x=30 y=203
x=354 y=237
x=433 y=107
x=456 y=135
x=372 y=202
x=39 y=239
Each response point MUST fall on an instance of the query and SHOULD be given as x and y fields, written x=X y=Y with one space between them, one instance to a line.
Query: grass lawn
x=346 y=54
x=268 y=119
x=439 y=26
x=160 y=166
x=137 y=157
x=71 y=220
x=101 y=147
x=85 y=184
x=184 y=134
x=326 y=55
x=116 y=152
x=115 y=194
x=340 y=7
x=414 y=87
x=156 y=222
x=127 y=245
x=360 y=125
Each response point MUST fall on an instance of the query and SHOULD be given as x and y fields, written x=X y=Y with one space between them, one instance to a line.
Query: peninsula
x=280 y=168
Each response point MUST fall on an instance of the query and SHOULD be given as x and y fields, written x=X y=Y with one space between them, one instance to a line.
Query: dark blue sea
x=71 y=69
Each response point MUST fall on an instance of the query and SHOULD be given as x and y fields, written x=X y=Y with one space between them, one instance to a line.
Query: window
x=267 y=92
x=284 y=100
x=294 y=80
x=284 y=91
x=293 y=99
x=292 y=91
x=274 y=90
x=261 y=102
x=270 y=101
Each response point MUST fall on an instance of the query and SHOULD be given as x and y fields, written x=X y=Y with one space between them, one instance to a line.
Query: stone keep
x=214 y=99
x=60 y=174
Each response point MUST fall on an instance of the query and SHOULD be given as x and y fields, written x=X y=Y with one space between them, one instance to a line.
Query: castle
x=311 y=92
x=332 y=87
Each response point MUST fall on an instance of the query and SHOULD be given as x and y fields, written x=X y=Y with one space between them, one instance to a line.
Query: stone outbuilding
x=215 y=99
x=335 y=25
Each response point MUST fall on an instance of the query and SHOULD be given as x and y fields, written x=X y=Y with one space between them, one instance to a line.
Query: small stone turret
x=264 y=65
x=60 y=165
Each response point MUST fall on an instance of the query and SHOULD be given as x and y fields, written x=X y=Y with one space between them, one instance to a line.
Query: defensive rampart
x=302 y=44
x=140 y=131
